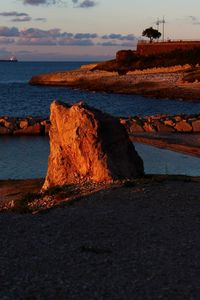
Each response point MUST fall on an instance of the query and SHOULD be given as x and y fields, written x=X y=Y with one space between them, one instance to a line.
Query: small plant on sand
x=62 y=191
x=53 y=190
x=21 y=205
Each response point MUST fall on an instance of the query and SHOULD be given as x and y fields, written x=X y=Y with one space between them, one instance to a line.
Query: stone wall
x=146 y=48
x=163 y=123
x=159 y=123
x=24 y=126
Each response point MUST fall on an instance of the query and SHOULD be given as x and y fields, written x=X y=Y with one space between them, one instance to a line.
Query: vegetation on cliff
x=151 y=33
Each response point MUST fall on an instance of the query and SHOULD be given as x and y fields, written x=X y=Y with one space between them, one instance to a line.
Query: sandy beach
x=138 y=241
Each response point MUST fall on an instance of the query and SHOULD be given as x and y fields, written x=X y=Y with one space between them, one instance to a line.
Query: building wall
x=146 y=48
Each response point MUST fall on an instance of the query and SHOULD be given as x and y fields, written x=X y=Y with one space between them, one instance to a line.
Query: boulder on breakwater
x=159 y=123
x=163 y=123
x=24 y=126
x=87 y=145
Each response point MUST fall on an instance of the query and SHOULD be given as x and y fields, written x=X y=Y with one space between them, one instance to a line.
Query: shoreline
x=182 y=143
x=14 y=191
x=164 y=83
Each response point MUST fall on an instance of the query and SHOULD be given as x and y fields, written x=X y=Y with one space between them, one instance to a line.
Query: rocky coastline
x=163 y=82
x=180 y=123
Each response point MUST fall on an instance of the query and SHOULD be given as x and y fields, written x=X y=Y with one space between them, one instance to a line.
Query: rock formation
x=88 y=145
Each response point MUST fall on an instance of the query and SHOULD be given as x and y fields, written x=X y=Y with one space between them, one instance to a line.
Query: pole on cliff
x=163 y=29
x=157 y=24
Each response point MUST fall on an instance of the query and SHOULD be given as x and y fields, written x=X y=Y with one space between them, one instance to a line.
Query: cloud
x=53 y=42
x=40 y=19
x=20 y=17
x=13 y=14
x=115 y=36
x=56 y=37
x=77 y=3
x=114 y=44
x=24 y=19
x=39 y=2
x=44 y=2
x=40 y=33
x=87 y=4
x=6 y=31
x=85 y=36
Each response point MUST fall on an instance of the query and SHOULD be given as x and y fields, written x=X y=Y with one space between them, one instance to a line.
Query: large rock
x=183 y=126
x=34 y=129
x=88 y=145
x=125 y=56
x=196 y=125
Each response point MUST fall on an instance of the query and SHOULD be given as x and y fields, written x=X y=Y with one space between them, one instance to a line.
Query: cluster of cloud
x=20 y=17
x=84 y=4
x=76 y=3
x=55 y=37
x=39 y=2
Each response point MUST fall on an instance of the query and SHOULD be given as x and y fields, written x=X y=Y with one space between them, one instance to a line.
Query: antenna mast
x=158 y=22
x=163 y=28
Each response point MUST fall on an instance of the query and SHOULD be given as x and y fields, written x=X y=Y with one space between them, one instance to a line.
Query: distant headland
x=160 y=69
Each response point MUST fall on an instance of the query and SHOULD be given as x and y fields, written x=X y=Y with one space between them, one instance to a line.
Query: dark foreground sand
x=136 y=242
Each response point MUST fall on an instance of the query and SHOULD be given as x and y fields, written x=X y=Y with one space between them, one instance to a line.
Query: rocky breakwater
x=87 y=145
x=24 y=126
x=163 y=123
x=160 y=123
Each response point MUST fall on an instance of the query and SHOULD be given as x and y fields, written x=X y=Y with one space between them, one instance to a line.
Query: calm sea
x=26 y=157
x=18 y=98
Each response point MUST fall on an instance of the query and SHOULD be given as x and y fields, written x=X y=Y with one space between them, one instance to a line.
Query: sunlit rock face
x=88 y=145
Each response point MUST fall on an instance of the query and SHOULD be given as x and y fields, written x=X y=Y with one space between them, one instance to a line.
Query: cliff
x=128 y=60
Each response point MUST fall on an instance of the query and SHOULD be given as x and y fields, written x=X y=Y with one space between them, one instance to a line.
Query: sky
x=88 y=30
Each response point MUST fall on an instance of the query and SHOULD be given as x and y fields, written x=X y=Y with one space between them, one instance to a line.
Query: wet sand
x=16 y=189
x=180 y=142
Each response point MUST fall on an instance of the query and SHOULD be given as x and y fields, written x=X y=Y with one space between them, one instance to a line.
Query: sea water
x=26 y=157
